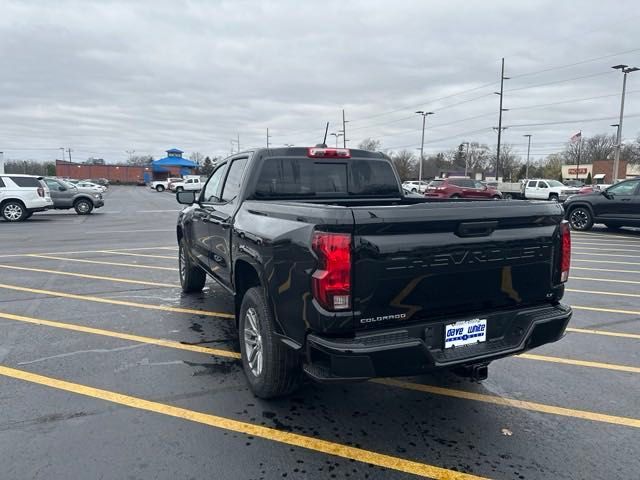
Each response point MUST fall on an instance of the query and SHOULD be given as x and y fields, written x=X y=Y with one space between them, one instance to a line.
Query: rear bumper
x=418 y=348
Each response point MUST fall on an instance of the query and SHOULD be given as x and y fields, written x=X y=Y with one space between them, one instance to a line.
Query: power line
x=525 y=107
x=563 y=122
x=558 y=81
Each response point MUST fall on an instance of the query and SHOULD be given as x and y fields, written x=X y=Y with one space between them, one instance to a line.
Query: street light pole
x=625 y=69
x=337 y=135
x=526 y=172
x=424 y=121
x=268 y=137
x=466 y=159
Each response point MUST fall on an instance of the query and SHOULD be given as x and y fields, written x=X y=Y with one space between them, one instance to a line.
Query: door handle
x=625 y=199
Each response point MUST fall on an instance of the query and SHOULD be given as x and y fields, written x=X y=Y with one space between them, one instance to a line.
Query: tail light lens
x=316 y=152
x=41 y=192
x=332 y=280
x=565 y=251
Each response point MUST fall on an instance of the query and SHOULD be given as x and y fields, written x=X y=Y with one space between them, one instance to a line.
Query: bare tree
x=140 y=160
x=197 y=157
x=405 y=163
x=370 y=144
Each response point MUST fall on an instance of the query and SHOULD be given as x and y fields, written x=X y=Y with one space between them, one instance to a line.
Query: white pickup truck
x=188 y=183
x=162 y=185
x=539 y=189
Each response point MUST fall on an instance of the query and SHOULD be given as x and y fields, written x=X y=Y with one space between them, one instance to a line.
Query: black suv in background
x=617 y=206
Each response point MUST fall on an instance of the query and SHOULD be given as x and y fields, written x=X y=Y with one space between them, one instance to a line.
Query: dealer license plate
x=467 y=332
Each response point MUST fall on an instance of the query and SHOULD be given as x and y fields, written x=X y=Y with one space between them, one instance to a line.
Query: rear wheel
x=497 y=197
x=272 y=369
x=192 y=277
x=13 y=211
x=580 y=218
x=83 y=206
x=554 y=197
x=508 y=196
x=159 y=188
x=414 y=190
x=179 y=189
x=455 y=195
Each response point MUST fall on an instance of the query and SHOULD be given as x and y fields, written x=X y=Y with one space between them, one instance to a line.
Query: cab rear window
x=26 y=181
x=303 y=177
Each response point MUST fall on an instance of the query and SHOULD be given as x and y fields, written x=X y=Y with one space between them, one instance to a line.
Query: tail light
x=41 y=192
x=332 y=280
x=316 y=152
x=565 y=251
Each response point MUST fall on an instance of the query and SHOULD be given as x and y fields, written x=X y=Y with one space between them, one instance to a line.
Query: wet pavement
x=108 y=371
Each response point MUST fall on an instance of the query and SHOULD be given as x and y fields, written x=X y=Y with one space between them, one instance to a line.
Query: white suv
x=21 y=195
x=192 y=183
x=415 y=186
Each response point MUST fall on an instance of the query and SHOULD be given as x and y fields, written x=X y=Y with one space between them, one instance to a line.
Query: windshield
x=304 y=177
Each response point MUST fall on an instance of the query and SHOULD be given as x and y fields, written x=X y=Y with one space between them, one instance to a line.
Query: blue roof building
x=173 y=159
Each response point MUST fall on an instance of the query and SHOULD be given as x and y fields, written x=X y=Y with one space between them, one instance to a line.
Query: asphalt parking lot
x=108 y=371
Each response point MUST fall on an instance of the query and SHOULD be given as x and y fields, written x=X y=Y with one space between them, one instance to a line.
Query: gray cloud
x=109 y=76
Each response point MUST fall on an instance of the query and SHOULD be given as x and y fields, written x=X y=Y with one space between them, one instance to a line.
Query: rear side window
x=26 y=181
x=1 y=183
x=436 y=183
x=532 y=184
x=291 y=177
x=234 y=179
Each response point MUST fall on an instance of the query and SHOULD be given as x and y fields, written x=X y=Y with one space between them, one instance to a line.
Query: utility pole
x=130 y=153
x=625 y=69
x=69 y=151
x=238 y=142
x=1 y=163
x=424 y=121
x=268 y=137
x=526 y=174
x=501 y=94
x=344 y=130
x=466 y=159
x=579 y=155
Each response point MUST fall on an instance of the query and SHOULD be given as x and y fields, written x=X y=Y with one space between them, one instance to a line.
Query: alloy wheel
x=12 y=212
x=253 y=341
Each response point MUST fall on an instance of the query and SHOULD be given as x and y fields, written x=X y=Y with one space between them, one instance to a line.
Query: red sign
x=579 y=171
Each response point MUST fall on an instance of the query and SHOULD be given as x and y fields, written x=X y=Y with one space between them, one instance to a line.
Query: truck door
x=531 y=191
x=220 y=221
x=620 y=203
x=198 y=235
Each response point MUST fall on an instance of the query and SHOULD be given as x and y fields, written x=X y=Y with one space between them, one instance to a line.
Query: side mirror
x=62 y=189
x=186 y=198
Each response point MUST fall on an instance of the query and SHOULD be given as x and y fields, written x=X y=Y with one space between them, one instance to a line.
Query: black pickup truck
x=337 y=274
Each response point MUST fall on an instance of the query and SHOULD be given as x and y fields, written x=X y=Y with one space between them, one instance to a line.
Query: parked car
x=409 y=193
x=574 y=183
x=616 y=206
x=21 y=196
x=460 y=188
x=91 y=186
x=337 y=274
x=192 y=183
x=66 y=196
x=162 y=185
x=415 y=186
x=548 y=190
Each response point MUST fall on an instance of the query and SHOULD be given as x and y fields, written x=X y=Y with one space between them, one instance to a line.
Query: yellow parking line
x=606 y=310
x=122 y=336
x=113 y=252
x=99 y=262
x=604 y=270
x=125 y=303
x=92 y=277
x=603 y=261
x=597 y=292
x=511 y=402
x=287 y=438
x=86 y=251
x=603 y=332
x=582 y=363
x=610 y=280
x=573 y=252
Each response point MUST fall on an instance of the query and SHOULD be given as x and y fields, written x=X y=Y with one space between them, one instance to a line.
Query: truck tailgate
x=420 y=262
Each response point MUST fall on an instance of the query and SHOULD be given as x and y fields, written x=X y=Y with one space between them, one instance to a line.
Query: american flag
x=576 y=137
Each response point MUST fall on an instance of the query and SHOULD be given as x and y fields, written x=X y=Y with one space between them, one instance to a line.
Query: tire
x=455 y=195
x=192 y=277
x=613 y=226
x=497 y=197
x=83 y=206
x=508 y=196
x=13 y=211
x=554 y=197
x=414 y=190
x=580 y=219
x=275 y=369
x=179 y=189
x=159 y=188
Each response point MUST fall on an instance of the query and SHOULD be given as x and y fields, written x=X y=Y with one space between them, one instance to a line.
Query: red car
x=460 y=188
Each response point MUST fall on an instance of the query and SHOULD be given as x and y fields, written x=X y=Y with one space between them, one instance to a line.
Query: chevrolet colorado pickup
x=338 y=274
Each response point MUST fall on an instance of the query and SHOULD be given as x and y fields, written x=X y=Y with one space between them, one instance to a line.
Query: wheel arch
x=245 y=276
x=575 y=205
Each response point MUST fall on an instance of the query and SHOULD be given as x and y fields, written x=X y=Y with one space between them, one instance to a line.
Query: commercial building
x=601 y=171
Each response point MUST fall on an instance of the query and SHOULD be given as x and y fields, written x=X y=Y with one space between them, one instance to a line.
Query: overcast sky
x=106 y=77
